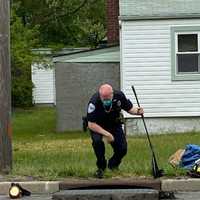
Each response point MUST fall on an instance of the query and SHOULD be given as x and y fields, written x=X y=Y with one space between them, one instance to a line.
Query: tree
x=23 y=39
x=70 y=23
x=5 y=107
x=92 y=23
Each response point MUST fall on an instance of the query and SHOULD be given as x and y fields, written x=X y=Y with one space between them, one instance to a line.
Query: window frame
x=175 y=31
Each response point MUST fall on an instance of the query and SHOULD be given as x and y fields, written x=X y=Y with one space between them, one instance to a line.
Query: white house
x=160 y=56
x=43 y=77
x=44 y=84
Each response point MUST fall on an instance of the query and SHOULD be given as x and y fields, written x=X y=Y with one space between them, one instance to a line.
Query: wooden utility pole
x=5 y=89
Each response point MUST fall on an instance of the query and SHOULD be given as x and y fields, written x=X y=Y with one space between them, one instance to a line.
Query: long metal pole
x=155 y=170
x=5 y=89
x=145 y=126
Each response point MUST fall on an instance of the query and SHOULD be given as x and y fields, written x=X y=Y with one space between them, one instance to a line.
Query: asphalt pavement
x=32 y=197
x=178 y=195
x=187 y=196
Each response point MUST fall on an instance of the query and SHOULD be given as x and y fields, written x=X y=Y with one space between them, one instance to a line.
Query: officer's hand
x=109 y=138
x=140 y=111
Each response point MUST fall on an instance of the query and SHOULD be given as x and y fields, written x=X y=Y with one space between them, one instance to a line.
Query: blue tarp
x=191 y=154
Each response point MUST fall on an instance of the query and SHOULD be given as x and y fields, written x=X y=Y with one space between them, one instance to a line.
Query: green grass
x=42 y=153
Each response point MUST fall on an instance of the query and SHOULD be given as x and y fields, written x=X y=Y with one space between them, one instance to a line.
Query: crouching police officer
x=103 y=115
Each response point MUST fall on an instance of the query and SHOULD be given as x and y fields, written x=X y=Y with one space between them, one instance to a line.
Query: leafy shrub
x=23 y=39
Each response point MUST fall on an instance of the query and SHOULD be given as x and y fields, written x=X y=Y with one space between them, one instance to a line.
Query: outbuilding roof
x=110 y=54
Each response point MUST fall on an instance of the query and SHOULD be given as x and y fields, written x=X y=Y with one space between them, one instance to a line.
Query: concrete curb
x=126 y=194
x=185 y=184
x=49 y=187
x=37 y=187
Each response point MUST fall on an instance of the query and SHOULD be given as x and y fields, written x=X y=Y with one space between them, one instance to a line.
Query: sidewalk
x=49 y=187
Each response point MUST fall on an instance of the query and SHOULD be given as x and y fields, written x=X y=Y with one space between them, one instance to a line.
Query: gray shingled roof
x=159 y=8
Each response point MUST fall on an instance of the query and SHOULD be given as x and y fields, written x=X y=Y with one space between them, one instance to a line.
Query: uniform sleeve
x=91 y=112
x=126 y=103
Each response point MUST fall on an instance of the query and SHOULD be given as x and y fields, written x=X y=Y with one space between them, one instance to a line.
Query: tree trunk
x=5 y=89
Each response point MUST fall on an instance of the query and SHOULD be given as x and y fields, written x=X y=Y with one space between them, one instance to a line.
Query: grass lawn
x=40 y=152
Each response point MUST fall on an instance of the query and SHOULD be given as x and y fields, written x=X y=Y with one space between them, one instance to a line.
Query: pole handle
x=135 y=96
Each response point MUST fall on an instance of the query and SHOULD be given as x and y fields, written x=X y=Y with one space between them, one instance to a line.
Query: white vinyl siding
x=146 y=64
x=44 y=85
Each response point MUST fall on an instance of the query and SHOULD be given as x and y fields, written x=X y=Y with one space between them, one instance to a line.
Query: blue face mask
x=107 y=104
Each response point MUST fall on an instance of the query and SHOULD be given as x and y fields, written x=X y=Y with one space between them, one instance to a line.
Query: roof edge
x=158 y=17
x=87 y=50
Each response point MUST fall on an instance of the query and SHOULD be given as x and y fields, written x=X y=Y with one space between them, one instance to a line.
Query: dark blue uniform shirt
x=97 y=114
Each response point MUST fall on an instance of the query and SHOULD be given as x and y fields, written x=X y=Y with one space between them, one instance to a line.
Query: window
x=185 y=53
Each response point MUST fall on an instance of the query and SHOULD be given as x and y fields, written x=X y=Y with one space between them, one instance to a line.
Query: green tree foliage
x=66 y=22
x=22 y=40
x=92 y=23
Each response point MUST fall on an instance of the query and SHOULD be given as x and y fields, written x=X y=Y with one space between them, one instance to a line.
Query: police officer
x=103 y=115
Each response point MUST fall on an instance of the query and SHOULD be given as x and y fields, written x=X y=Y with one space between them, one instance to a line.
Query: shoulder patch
x=91 y=108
